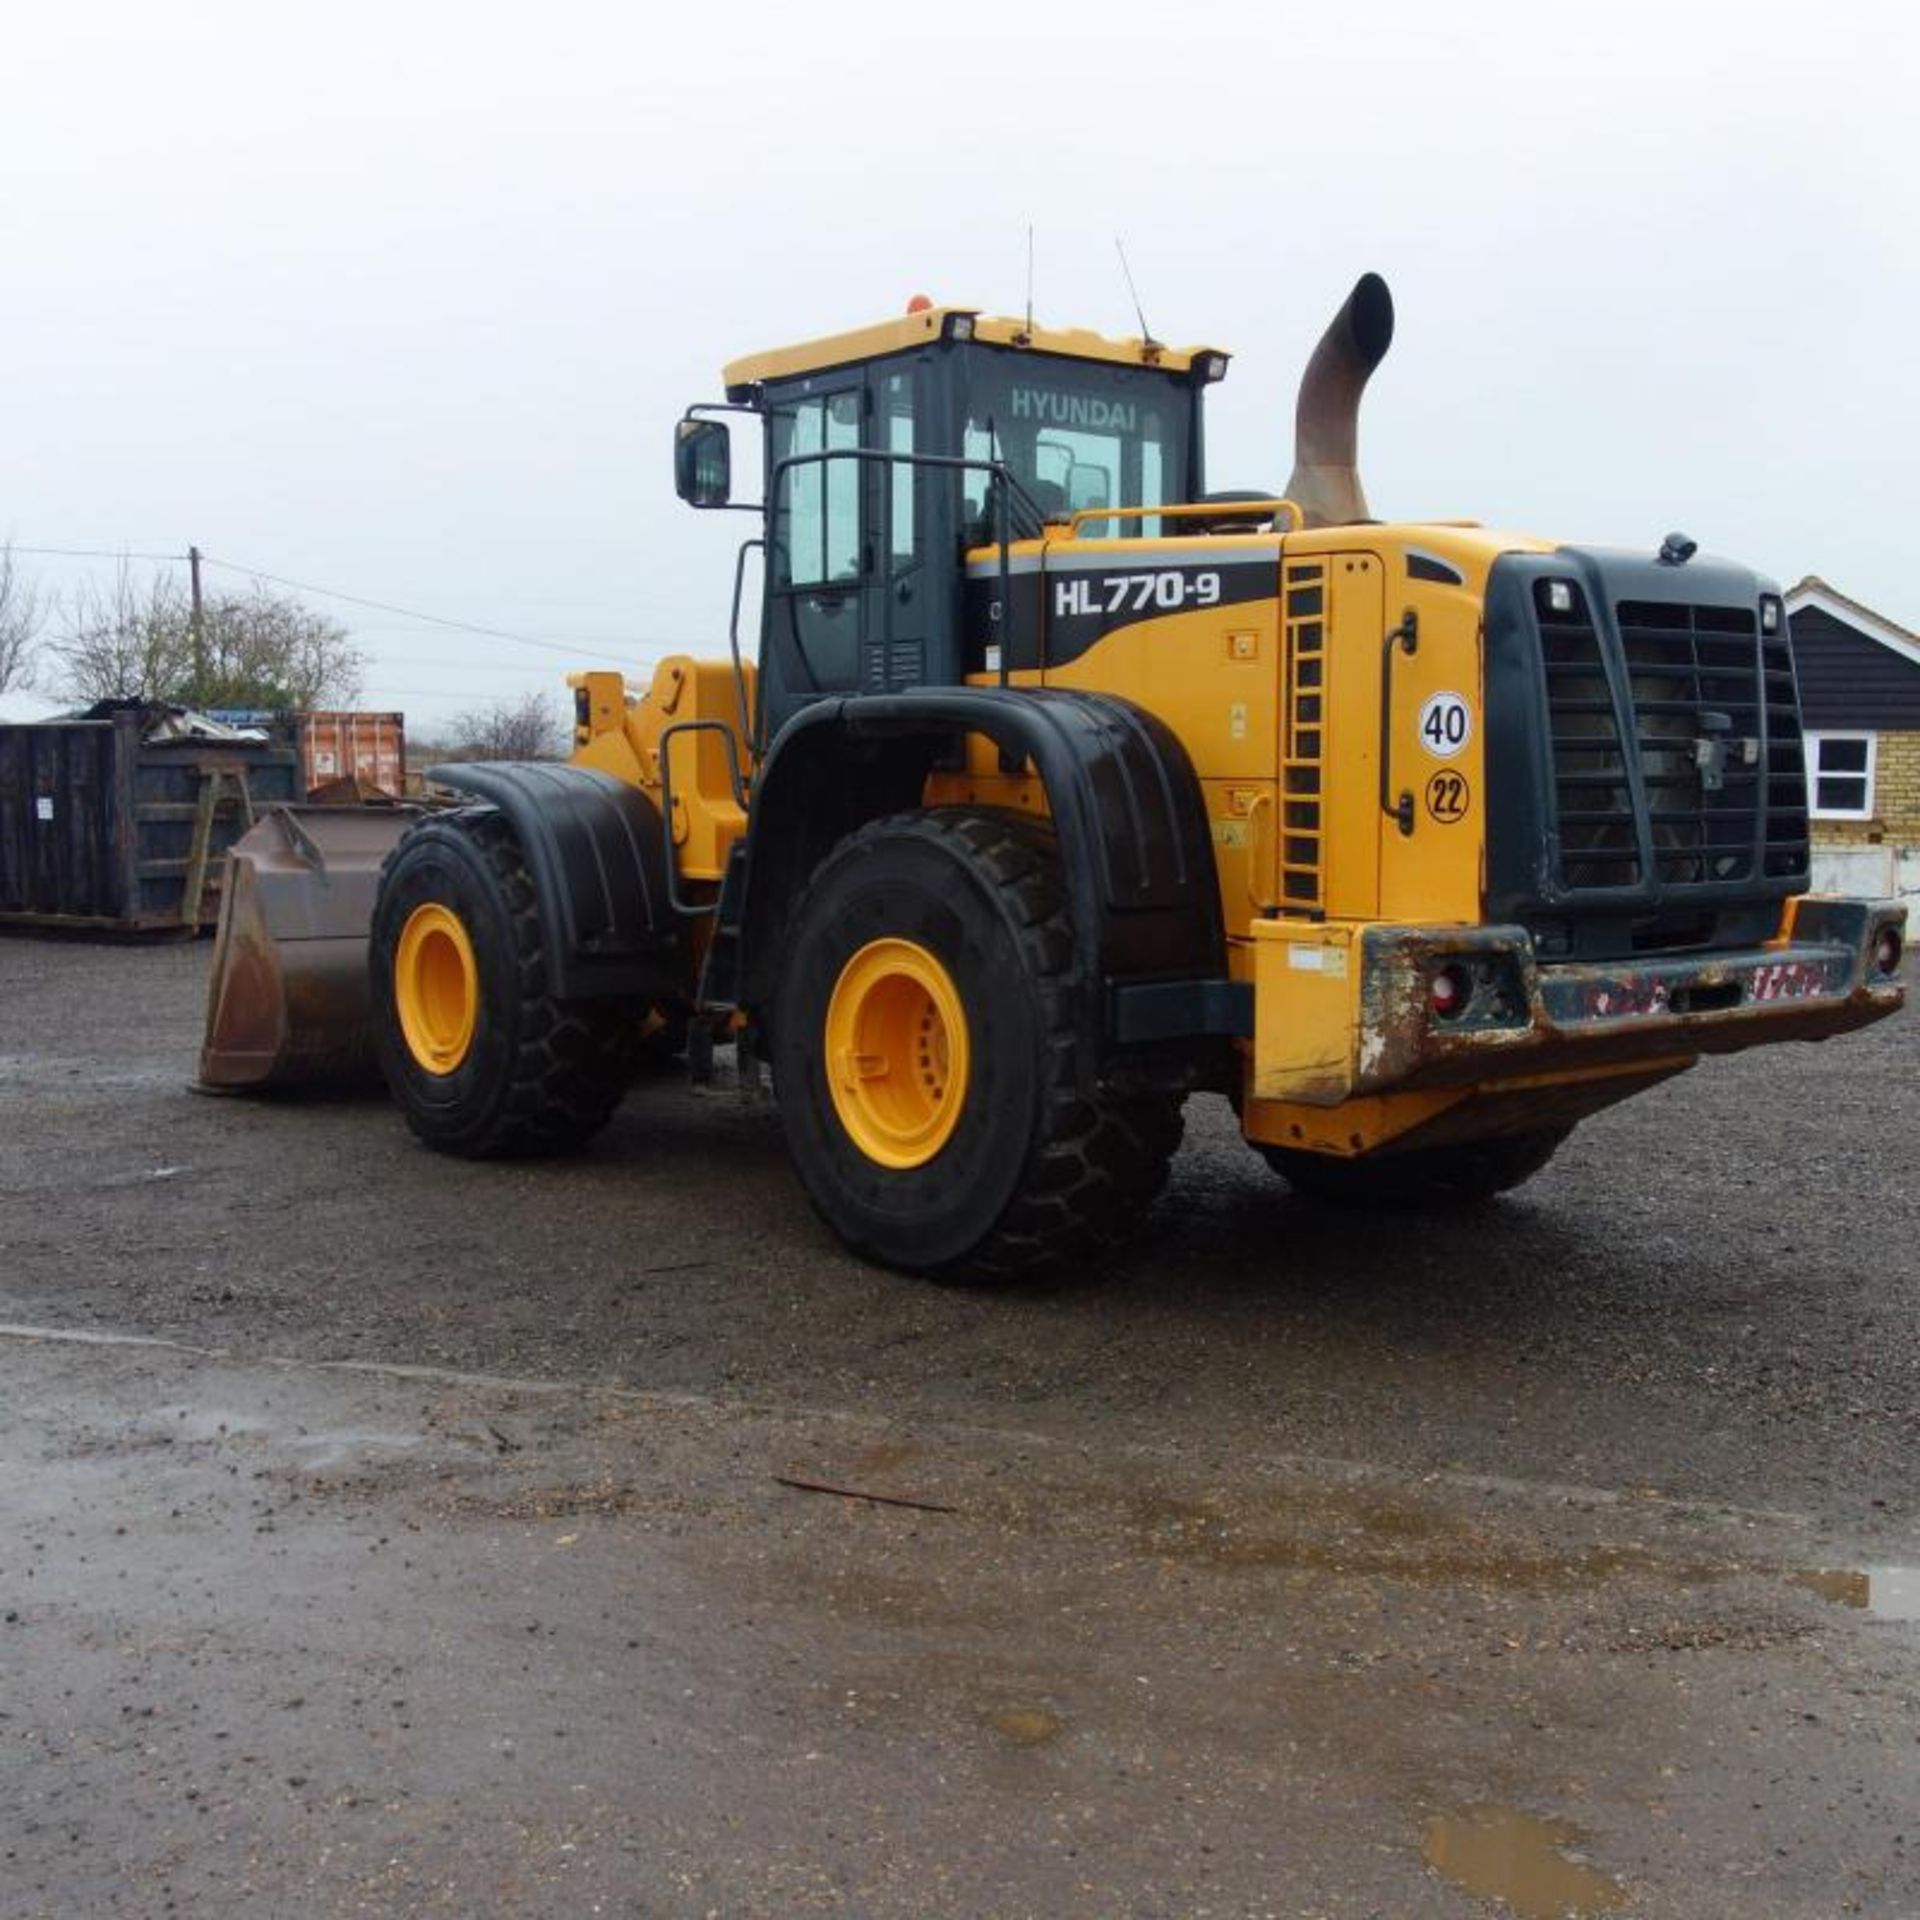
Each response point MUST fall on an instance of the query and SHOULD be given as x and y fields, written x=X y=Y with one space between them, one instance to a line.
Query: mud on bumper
x=1349 y=1011
x=1822 y=976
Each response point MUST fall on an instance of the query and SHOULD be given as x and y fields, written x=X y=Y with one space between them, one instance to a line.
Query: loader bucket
x=287 y=1005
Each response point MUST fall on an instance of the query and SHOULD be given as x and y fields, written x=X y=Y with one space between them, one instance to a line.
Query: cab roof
x=929 y=324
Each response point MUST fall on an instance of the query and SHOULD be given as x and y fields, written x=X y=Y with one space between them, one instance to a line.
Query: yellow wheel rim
x=896 y=1053
x=436 y=987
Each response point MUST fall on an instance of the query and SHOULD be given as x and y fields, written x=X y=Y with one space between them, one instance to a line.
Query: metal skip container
x=366 y=750
x=120 y=821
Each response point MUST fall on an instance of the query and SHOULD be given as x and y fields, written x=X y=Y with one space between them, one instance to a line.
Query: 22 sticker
x=1448 y=797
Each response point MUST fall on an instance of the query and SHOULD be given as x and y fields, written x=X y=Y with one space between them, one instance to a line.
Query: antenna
x=1029 y=279
x=1140 y=313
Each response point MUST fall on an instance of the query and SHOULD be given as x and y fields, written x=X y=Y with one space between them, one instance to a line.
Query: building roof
x=1815 y=592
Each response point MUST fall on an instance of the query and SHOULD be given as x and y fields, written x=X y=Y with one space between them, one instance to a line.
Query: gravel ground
x=1300 y=1564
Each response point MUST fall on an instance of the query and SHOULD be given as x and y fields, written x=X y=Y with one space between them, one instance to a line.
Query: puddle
x=1888 y=1593
x=1357 y=1536
x=1497 y=1854
x=1025 y=1726
x=315 y=1448
x=336 y=1446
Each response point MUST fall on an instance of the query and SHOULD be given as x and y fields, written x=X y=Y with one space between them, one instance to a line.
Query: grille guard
x=1646 y=775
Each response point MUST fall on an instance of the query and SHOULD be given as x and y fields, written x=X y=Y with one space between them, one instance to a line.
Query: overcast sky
x=404 y=299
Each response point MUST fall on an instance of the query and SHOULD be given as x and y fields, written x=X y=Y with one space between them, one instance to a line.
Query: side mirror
x=703 y=463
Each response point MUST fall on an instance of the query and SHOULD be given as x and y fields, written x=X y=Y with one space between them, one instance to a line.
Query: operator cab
x=894 y=450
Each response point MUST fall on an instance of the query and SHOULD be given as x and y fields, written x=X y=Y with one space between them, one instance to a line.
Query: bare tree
x=135 y=641
x=127 y=641
x=266 y=649
x=528 y=728
x=20 y=620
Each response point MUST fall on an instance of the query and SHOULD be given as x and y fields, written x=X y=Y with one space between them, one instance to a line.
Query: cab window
x=1078 y=436
x=816 y=518
x=903 y=480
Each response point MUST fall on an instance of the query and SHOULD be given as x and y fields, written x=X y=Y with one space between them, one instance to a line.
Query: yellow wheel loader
x=1061 y=788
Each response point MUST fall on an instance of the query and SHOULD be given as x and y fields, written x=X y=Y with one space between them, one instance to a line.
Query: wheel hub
x=436 y=985
x=896 y=1053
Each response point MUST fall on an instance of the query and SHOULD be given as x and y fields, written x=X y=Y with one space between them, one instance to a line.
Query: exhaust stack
x=1326 y=473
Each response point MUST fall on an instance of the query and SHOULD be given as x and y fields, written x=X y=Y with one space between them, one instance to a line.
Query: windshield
x=1077 y=436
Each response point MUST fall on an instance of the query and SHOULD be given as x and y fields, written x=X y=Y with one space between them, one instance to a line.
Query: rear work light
x=1888 y=950
x=1450 y=992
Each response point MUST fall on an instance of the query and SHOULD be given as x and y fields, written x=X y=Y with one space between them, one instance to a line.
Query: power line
x=411 y=613
x=92 y=553
x=411 y=626
x=469 y=667
x=379 y=691
x=571 y=648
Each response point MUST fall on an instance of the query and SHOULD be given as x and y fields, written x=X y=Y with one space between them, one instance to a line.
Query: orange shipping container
x=369 y=747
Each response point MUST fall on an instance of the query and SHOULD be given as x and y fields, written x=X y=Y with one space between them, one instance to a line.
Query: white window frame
x=1815 y=741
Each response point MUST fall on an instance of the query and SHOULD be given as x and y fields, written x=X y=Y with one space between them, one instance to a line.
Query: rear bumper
x=1344 y=1012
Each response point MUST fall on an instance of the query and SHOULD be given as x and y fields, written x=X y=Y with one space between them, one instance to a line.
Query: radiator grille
x=1700 y=705
x=1695 y=676
x=1599 y=846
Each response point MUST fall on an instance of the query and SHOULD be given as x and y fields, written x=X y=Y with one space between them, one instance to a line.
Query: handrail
x=1405 y=635
x=733 y=638
x=939 y=462
x=735 y=778
x=1191 y=510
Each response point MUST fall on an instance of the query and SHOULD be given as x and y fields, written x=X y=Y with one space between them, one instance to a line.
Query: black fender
x=597 y=855
x=1126 y=805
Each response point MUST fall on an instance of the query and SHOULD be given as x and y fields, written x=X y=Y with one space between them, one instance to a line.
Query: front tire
x=483 y=1060
x=927 y=1064
x=1465 y=1175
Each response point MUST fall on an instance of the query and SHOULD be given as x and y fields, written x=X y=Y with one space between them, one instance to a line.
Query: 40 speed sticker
x=1446 y=724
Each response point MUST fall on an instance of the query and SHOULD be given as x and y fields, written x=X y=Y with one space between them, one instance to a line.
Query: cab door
x=852 y=603
x=819 y=553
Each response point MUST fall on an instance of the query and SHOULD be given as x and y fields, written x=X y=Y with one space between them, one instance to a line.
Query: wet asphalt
x=491 y=1540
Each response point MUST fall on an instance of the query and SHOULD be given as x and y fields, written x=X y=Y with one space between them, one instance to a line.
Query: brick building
x=1860 y=699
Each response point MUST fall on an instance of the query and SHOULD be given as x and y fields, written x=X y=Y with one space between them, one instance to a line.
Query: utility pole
x=197 y=627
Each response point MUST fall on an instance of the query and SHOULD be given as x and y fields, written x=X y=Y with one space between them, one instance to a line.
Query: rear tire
x=483 y=1060
x=934 y=949
x=1458 y=1176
